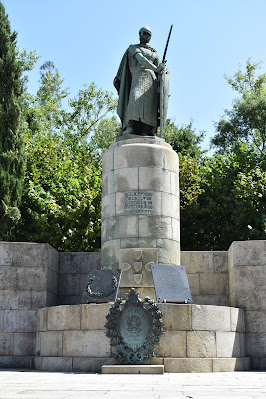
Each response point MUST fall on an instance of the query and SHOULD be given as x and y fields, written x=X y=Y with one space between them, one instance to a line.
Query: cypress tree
x=12 y=155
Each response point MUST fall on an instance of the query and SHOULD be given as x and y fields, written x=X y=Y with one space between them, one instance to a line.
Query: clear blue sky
x=87 y=38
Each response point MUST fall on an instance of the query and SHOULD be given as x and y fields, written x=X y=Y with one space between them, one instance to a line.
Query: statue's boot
x=128 y=130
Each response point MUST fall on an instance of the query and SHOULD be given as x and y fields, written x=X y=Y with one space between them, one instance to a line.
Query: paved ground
x=39 y=385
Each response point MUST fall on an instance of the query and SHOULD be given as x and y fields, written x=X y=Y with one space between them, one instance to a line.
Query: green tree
x=27 y=61
x=105 y=133
x=246 y=121
x=88 y=108
x=190 y=189
x=231 y=203
x=44 y=112
x=12 y=157
x=184 y=139
x=186 y=142
x=61 y=201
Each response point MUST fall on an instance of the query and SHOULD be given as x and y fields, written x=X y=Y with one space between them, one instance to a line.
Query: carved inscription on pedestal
x=139 y=202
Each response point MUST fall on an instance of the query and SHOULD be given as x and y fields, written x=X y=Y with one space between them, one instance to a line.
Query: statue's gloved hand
x=160 y=67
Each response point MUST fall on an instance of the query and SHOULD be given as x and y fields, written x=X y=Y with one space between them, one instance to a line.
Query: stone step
x=170 y=365
x=203 y=365
x=132 y=369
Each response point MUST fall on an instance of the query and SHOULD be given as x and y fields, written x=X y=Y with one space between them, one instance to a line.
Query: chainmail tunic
x=142 y=105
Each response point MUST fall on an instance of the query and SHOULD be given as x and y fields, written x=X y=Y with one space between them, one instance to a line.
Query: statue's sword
x=164 y=88
x=165 y=50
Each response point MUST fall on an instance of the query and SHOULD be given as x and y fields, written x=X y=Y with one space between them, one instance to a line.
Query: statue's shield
x=164 y=95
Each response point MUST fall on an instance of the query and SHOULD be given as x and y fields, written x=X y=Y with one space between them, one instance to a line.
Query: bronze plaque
x=171 y=283
x=139 y=202
x=101 y=286
x=135 y=325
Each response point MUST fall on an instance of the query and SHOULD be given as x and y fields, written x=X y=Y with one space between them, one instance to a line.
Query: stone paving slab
x=23 y=384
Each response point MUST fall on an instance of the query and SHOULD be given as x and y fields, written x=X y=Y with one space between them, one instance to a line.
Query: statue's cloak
x=122 y=83
x=137 y=86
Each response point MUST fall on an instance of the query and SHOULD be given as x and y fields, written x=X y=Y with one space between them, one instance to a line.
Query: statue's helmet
x=144 y=29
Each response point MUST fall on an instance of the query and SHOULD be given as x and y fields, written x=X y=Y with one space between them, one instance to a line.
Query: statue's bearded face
x=144 y=36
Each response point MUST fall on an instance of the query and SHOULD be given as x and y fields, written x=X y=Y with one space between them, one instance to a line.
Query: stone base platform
x=169 y=365
x=133 y=369
x=16 y=362
x=71 y=363
x=203 y=365
x=197 y=338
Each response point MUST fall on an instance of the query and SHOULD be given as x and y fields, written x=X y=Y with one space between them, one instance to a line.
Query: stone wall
x=247 y=290
x=207 y=274
x=34 y=276
x=197 y=339
x=73 y=272
x=72 y=338
x=28 y=281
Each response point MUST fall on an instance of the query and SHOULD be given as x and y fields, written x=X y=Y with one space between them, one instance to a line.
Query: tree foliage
x=222 y=197
x=43 y=111
x=61 y=202
x=246 y=121
x=184 y=140
x=89 y=108
x=230 y=203
x=190 y=189
x=12 y=156
x=105 y=133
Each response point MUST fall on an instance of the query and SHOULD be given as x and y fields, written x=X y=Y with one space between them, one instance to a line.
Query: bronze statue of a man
x=137 y=85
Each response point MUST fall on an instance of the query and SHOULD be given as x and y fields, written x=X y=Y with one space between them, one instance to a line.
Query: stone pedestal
x=197 y=338
x=140 y=208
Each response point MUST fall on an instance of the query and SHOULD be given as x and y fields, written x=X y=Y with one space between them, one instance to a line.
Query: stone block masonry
x=78 y=342
x=247 y=289
x=28 y=281
x=72 y=338
x=36 y=276
x=73 y=272
x=207 y=273
x=140 y=200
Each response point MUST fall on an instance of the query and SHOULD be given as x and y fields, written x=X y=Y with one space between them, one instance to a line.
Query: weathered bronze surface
x=137 y=85
x=135 y=324
x=134 y=327
x=102 y=286
x=164 y=96
x=140 y=202
x=171 y=283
